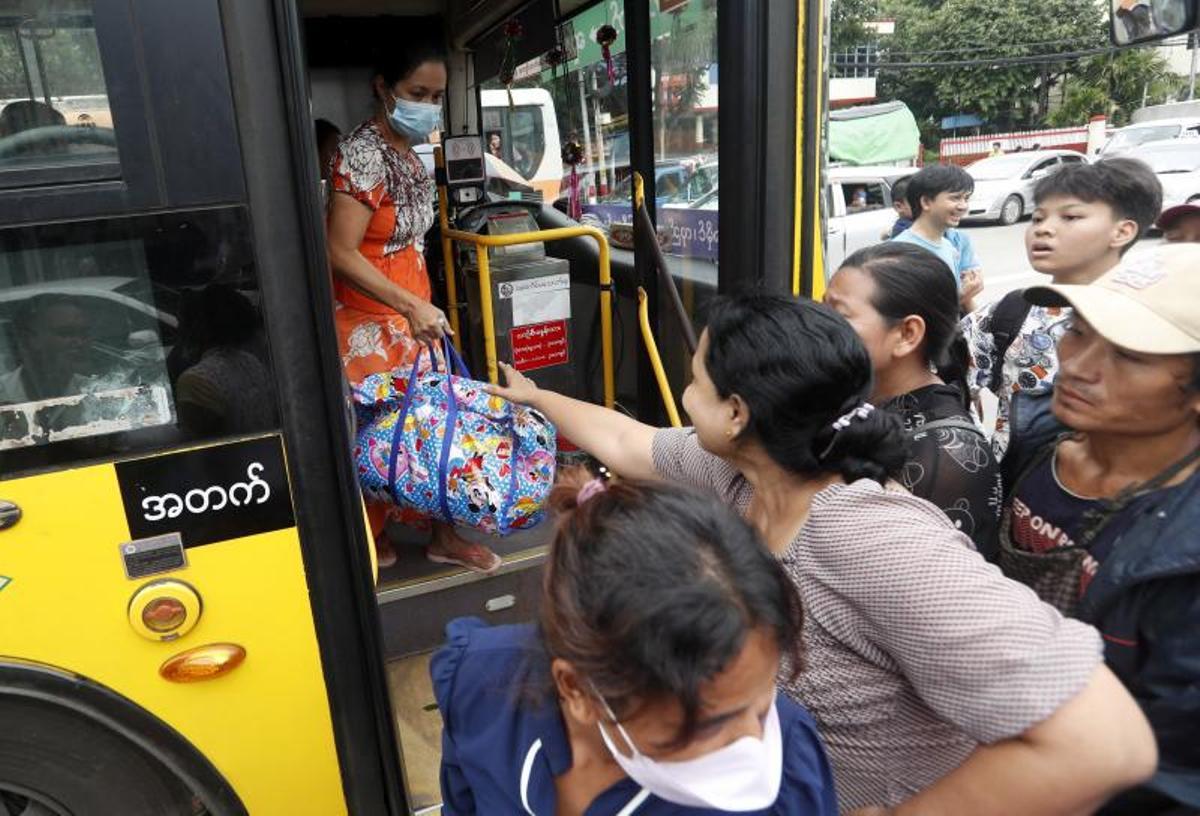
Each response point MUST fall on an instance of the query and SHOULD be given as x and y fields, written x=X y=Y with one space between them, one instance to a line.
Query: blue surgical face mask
x=415 y=120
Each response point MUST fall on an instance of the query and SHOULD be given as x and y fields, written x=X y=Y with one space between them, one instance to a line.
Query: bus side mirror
x=1133 y=21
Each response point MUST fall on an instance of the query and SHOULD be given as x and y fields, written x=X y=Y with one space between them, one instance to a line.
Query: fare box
x=539 y=345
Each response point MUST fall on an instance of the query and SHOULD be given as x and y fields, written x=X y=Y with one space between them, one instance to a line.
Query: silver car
x=1004 y=184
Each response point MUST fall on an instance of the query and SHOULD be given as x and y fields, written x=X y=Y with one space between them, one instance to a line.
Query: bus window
x=123 y=335
x=53 y=99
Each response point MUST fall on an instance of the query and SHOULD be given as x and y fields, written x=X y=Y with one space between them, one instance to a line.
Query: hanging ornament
x=513 y=31
x=572 y=155
x=554 y=58
x=606 y=35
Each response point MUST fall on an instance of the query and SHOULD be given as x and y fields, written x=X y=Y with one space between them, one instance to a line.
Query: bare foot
x=385 y=553
x=448 y=547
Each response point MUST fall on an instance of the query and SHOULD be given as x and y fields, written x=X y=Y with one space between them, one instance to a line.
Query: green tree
x=1006 y=96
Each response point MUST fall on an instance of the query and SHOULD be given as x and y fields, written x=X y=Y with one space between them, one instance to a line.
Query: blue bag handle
x=399 y=432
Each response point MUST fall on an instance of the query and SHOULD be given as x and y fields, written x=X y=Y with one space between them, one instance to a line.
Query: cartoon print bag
x=436 y=443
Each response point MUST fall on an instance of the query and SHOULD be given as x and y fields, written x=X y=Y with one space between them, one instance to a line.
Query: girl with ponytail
x=903 y=302
x=939 y=686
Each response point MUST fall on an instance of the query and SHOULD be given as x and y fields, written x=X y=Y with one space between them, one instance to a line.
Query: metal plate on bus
x=151 y=556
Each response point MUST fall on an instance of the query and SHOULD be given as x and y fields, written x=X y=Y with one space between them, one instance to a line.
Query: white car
x=1004 y=184
x=1176 y=162
x=1129 y=139
x=859 y=209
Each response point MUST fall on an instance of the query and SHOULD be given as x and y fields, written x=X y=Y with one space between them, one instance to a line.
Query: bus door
x=182 y=565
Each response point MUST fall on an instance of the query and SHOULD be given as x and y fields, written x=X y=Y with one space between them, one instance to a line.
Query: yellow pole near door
x=664 y=386
x=489 y=319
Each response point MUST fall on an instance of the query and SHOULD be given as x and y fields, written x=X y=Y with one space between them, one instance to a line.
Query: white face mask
x=743 y=776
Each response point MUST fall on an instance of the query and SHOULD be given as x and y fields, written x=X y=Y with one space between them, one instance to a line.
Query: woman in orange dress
x=382 y=204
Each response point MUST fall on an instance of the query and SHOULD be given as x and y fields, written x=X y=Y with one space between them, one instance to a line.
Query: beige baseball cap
x=1149 y=304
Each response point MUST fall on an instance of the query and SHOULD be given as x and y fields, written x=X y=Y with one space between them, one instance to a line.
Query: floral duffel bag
x=435 y=443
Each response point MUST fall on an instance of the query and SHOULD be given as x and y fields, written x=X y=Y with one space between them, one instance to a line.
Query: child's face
x=947 y=209
x=902 y=209
x=1068 y=237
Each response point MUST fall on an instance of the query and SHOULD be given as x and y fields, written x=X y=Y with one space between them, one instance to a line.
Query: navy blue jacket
x=1145 y=600
x=503 y=742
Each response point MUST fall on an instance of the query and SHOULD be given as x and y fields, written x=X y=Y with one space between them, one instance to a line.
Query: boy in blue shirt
x=938 y=198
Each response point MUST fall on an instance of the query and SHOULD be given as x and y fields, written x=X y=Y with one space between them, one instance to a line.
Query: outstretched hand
x=519 y=388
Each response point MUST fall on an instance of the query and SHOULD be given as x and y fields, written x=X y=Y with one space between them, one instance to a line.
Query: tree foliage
x=1009 y=96
x=847 y=18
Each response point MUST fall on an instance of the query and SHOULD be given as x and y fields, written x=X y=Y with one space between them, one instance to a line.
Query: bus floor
x=419 y=730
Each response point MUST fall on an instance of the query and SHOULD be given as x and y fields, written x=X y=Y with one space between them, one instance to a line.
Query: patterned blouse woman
x=902 y=302
x=383 y=203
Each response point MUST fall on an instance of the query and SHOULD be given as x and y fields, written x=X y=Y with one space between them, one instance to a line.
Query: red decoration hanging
x=513 y=32
x=572 y=155
x=606 y=35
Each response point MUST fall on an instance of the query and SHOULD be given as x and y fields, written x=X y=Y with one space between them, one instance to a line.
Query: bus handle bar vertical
x=664 y=386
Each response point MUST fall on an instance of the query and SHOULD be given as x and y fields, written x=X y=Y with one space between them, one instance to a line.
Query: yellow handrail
x=483 y=242
x=655 y=361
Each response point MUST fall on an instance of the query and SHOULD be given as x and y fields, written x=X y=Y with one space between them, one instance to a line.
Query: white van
x=527 y=130
x=1127 y=139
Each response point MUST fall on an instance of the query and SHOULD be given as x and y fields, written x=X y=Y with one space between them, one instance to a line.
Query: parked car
x=1004 y=184
x=1128 y=139
x=859 y=209
x=1176 y=162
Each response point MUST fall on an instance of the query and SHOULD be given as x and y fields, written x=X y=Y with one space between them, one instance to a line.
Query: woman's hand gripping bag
x=436 y=444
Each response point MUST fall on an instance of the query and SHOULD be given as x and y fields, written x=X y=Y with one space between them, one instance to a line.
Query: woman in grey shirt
x=939 y=686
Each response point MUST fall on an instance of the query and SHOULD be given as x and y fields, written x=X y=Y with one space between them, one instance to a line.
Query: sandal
x=473 y=557
x=385 y=553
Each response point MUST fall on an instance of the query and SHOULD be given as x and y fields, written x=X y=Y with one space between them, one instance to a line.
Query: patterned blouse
x=952 y=467
x=1030 y=364
x=375 y=173
x=917 y=650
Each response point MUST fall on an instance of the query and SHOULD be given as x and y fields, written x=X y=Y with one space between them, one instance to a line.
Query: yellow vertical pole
x=489 y=319
x=660 y=375
x=606 y=326
x=452 y=304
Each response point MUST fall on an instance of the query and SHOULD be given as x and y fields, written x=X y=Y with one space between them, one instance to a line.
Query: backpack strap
x=1007 y=319
x=961 y=423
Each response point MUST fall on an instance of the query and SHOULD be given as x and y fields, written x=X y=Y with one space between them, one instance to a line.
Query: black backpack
x=1005 y=324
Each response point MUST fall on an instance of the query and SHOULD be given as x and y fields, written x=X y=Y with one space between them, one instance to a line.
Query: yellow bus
x=190 y=617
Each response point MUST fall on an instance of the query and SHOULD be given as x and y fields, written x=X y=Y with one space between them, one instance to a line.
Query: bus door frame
x=267 y=69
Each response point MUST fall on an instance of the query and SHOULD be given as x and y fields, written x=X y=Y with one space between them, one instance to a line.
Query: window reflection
x=126 y=334
x=53 y=98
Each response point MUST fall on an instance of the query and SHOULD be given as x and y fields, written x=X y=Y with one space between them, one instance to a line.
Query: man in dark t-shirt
x=1104 y=522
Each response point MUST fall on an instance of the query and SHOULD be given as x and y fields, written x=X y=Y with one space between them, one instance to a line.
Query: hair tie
x=861 y=412
x=590 y=489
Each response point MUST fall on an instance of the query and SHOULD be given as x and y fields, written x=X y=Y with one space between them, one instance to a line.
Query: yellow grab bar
x=655 y=361
x=483 y=242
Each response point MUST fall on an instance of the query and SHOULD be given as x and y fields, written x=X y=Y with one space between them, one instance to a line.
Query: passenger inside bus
x=380 y=209
x=935 y=681
x=225 y=389
x=649 y=683
x=53 y=339
x=328 y=135
x=903 y=303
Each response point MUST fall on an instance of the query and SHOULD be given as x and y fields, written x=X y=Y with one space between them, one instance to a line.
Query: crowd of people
x=838 y=591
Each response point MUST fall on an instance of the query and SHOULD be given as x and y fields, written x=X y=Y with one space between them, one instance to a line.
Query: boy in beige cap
x=1104 y=523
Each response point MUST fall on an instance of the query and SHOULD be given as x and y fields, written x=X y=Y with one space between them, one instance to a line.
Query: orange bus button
x=203 y=663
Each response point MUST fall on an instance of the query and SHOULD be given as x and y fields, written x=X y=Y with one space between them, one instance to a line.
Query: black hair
x=1128 y=186
x=217 y=316
x=799 y=367
x=913 y=281
x=935 y=180
x=398 y=62
x=900 y=190
x=651 y=589
x=325 y=129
